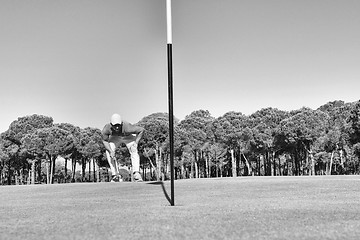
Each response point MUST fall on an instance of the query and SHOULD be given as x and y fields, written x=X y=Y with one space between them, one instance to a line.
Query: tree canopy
x=268 y=142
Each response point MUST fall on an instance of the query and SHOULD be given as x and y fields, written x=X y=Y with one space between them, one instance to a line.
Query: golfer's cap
x=115 y=119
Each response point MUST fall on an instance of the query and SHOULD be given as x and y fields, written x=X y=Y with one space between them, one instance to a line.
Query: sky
x=80 y=61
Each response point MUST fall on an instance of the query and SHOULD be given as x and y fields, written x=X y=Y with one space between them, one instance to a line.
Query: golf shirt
x=128 y=133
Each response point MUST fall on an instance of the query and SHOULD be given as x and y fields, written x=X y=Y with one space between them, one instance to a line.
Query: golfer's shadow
x=163 y=188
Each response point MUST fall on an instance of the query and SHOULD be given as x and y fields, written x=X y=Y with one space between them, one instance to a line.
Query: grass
x=322 y=207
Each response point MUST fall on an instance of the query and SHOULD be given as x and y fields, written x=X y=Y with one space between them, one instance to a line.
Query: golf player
x=116 y=133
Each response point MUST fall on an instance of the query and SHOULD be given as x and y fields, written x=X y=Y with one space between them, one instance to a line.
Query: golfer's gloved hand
x=112 y=154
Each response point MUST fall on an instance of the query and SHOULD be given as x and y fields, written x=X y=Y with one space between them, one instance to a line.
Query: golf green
x=321 y=207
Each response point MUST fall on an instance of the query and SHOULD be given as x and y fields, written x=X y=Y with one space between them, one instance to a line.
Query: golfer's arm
x=107 y=146
x=139 y=134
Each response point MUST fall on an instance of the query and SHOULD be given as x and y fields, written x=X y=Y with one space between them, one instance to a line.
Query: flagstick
x=170 y=93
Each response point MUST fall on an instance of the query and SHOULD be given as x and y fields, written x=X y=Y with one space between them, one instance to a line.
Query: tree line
x=269 y=142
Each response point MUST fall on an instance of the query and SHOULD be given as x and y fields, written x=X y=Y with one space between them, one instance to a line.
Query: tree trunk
x=39 y=176
x=281 y=171
x=307 y=164
x=265 y=164
x=331 y=163
x=52 y=170
x=21 y=177
x=162 y=164
x=98 y=179
x=196 y=170
x=247 y=165
x=166 y=167
x=89 y=170
x=9 y=173
x=192 y=169
x=33 y=172
x=153 y=167
x=265 y=160
x=65 y=177
x=233 y=163
x=341 y=153
x=183 y=173
x=196 y=165
x=312 y=163
x=94 y=171
x=182 y=167
x=297 y=165
x=287 y=168
x=28 y=180
x=83 y=168
x=16 y=178
x=47 y=172
x=274 y=164
x=1 y=175
x=268 y=163
x=158 y=163
x=221 y=168
x=73 y=167
x=208 y=165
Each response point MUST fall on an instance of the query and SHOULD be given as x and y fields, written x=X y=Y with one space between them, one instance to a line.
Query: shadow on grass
x=163 y=188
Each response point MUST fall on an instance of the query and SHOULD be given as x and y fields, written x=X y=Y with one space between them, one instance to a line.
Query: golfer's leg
x=134 y=156
x=114 y=170
x=135 y=160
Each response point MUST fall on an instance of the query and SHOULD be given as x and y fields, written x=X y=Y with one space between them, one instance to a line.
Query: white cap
x=115 y=119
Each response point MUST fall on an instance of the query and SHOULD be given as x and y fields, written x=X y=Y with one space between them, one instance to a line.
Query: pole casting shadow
x=163 y=188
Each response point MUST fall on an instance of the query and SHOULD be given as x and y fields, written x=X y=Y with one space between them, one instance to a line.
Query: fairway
x=321 y=207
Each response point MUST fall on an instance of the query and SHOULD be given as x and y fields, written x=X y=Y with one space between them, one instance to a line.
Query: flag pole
x=170 y=95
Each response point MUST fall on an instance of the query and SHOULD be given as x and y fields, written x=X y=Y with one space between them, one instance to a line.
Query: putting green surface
x=321 y=207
